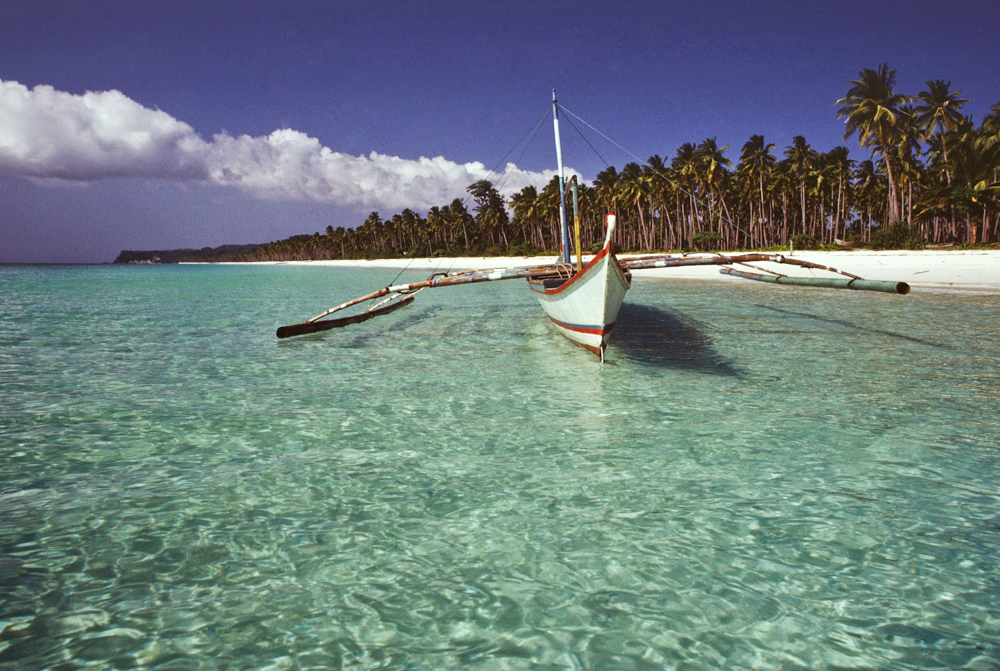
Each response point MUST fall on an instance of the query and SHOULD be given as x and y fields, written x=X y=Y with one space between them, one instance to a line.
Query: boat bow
x=584 y=306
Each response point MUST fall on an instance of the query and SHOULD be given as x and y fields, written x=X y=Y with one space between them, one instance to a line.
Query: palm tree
x=608 y=185
x=522 y=204
x=459 y=219
x=802 y=159
x=711 y=160
x=820 y=177
x=591 y=218
x=841 y=166
x=990 y=130
x=938 y=111
x=976 y=185
x=685 y=165
x=491 y=214
x=397 y=226
x=437 y=223
x=756 y=161
x=908 y=138
x=372 y=228
x=868 y=185
x=711 y=173
x=657 y=177
x=871 y=107
x=989 y=140
x=633 y=188
x=547 y=207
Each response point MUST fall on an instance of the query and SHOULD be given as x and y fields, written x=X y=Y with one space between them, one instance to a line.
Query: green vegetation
x=932 y=177
x=223 y=253
x=706 y=240
x=804 y=241
x=897 y=236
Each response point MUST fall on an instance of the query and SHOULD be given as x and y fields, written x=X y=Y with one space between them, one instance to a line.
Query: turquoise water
x=759 y=478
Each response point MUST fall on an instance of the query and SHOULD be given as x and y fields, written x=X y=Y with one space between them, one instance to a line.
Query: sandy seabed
x=927 y=270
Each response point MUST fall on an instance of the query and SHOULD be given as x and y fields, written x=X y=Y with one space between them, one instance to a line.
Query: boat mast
x=562 y=184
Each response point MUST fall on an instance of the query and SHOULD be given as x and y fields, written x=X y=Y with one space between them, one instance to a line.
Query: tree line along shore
x=933 y=177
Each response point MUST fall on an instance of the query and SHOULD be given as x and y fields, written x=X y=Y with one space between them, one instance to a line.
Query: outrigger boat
x=582 y=301
x=584 y=307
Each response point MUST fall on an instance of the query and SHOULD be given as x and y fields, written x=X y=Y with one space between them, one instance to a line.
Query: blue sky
x=219 y=122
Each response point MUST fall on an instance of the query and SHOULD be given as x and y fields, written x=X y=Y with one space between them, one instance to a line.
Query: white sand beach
x=925 y=270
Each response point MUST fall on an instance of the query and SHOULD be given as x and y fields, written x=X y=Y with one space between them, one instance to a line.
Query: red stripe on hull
x=581 y=329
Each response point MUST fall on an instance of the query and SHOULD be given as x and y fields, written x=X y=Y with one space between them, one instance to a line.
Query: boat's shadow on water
x=662 y=339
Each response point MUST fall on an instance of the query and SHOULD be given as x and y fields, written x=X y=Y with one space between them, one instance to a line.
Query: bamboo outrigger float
x=582 y=301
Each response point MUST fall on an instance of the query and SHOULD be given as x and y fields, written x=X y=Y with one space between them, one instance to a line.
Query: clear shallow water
x=760 y=477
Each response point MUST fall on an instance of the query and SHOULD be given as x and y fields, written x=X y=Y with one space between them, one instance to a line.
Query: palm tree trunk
x=892 y=215
x=784 y=217
x=642 y=222
x=909 y=204
x=821 y=224
x=769 y=230
x=840 y=204
x=802 y=198
x=729 y=217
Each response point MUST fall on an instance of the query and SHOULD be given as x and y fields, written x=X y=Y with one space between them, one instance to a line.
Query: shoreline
x=924 y=270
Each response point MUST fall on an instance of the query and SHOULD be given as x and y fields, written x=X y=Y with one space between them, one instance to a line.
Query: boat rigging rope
x=503 y=178
x=639 y=160
x=584 y=137
x=506 y=174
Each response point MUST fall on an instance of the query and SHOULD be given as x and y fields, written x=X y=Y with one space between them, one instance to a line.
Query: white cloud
x=52 y=134
x=289 y=165
x=48 y=134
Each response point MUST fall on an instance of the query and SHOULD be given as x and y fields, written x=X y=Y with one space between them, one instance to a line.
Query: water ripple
x=763 y=479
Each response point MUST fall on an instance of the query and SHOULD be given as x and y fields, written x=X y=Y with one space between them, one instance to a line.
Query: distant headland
x=204 y=255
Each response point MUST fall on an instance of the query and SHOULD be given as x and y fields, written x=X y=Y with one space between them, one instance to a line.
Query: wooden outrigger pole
x=397 y=296
x=404 y=294
x=767 y=275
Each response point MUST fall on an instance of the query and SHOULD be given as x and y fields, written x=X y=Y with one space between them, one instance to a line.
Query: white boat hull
x=585 y=307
